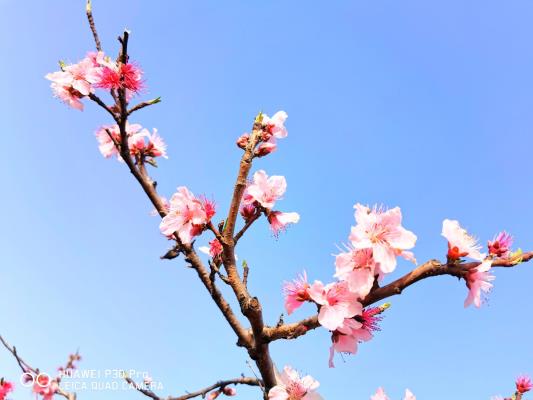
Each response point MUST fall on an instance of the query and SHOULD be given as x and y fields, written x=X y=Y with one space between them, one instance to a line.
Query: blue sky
x=424 y=105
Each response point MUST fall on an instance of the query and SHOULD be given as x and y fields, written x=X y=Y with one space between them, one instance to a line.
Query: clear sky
x=424 y=105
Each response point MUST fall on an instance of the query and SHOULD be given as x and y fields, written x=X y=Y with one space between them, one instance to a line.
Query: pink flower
x=83 y=75
x=409 y=395
x=66 y=93
x=187 y=216
x=279 y=220
x=478 y=280
x=5 y=388
x=229 y=391
x=337 y=303
x=356 y=267
x=45 y=386
x=215 y=248
x=209 y=207
x=460 y=243
x=275 y=126
x=500 y=245
x=296 y=293
x=382 y=232
x=74 y=82
x=355 y=330
x=123 y=76
x=523 y=384
x=291 y=387
x=380 y=395
x=265 y=190
x=345 y=339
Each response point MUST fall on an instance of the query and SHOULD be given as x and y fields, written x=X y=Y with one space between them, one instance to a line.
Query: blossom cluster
x=461 y=244
x=188 y=215
x=141 y=143
x=76 y=81
x=270 y=130
x=375 y=242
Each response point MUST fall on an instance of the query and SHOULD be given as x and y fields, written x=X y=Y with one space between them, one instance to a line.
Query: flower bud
x=213 y=395
x=500 y=246
x=229 y=391
x=242 y=141
x=248 y=211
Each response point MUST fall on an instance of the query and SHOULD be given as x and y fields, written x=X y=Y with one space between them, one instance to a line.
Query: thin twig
x=89 y=12
x=215 y=231
x=24 y=366
x=202 y=392
x=144 y=104
x=139 y=388
x=247 y=225
x=216 y=270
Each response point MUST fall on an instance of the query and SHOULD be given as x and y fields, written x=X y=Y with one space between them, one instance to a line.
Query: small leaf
x=155 y=101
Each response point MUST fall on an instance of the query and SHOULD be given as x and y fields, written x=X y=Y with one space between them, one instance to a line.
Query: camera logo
x=28 y=379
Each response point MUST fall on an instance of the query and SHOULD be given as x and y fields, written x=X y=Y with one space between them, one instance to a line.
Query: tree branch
x=426 y=270
x=250 y=306
x=24 y=366
x=240 y=185
x=144 y=180
x=202 y=392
